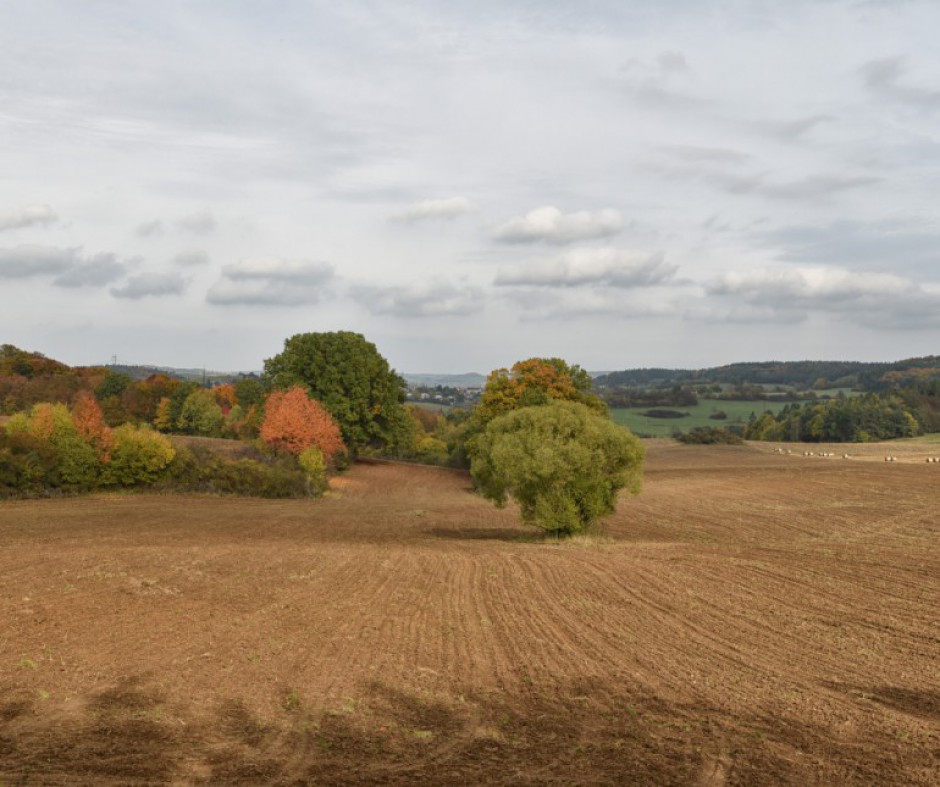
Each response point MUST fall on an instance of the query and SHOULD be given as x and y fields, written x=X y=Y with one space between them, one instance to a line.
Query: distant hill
x=796 y=373
x=143 y=371
x=468 y=380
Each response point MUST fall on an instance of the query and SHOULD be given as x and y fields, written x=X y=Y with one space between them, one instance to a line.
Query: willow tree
x=561 y=462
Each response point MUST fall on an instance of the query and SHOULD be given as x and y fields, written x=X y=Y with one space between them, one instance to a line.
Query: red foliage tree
x=225 y=397
x=294 y=421
x=89 y=421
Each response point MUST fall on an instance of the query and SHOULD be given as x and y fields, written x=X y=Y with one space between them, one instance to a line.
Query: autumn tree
x=533 y=382
x=89 y=421
x=350 y=378
x=225 y=397
x=295 y=422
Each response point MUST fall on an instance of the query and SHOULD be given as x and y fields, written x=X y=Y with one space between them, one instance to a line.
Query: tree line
x=538 y=436
x=905 y=412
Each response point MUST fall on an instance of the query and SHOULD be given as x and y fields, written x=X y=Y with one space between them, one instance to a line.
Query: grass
x=738 y=413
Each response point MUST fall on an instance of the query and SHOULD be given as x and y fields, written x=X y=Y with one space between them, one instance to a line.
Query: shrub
x=313 y=463
x=200 y=469
x=139 y=456
x=709 y=435
x=79 y=463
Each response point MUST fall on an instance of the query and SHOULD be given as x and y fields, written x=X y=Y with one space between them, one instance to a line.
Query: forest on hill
x=876 y=376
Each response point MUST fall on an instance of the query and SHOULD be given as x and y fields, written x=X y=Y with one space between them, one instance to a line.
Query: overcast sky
x=621 y=184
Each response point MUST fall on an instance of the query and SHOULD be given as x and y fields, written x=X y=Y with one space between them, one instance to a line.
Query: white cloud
x=270 y=281
x=436 y=299
x=808 y=284
x=600 y=266
x=881 y=300
x=30 y=216
x=278 y=269
x=436 y=209
x=537 y=304
x=145 y=285
x=549 y=225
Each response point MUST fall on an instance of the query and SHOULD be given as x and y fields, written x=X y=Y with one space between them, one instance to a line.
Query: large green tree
x=350 y=378
x=562 y=462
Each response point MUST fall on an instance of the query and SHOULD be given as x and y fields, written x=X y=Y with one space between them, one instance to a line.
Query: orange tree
x=295 y=422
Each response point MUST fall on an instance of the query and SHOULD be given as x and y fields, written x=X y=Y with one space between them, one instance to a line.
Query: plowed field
x=751 y=618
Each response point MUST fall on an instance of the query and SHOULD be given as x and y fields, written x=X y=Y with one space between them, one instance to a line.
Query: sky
x=620 y=184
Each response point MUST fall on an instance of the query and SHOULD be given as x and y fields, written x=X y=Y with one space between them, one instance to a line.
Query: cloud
x=902 y=244
x=698 y=155
x=145 y=285
x=537 y=304
x=809 y=187
x=27 y=261
x=580 y=267
x=149 y=229
x=882 y=300
x=270 y=281
x=672 y=62
x=191 y=258
x=438 y=209
x=550 y=225
x=199 y=223
x=654 y=83
x=30 y=216
x=806 y=285
x=100 y=269
x=436 y=299
x=791 y=130
x=883 y=78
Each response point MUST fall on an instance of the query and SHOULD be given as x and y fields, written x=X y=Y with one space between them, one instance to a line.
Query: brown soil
x=751 y=618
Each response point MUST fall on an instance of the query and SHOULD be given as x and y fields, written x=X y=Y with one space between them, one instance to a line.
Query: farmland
x=737 y=412
x=751 y=618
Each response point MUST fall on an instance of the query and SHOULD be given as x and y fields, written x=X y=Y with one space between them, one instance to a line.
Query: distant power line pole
x=114 y=360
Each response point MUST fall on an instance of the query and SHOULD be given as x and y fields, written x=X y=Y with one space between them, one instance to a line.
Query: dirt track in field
x=751 y=618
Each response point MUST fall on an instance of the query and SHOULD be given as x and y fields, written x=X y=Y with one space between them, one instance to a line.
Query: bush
x=709 y=435
x=313 y=463
x=139 y=456
x=28 y=465
x=199 y=469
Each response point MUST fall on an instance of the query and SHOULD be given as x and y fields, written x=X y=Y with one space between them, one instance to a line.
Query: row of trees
x=72 y=449
x=538 y=435
x=870 y=417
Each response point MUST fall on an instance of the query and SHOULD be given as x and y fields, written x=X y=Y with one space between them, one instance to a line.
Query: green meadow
x=738 y=413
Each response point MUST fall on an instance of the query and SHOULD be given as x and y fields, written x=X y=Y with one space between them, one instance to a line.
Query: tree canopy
x=349 y=377
x=562 y=462
x=294 y=421
x=535 y=381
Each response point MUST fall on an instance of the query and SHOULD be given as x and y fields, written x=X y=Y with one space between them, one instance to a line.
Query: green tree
x=350 y=378
x=200 y=414
x=562 y=462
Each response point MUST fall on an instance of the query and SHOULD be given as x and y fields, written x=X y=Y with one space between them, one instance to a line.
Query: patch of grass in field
x=926 y=439
x=738 y=414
